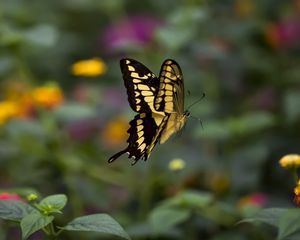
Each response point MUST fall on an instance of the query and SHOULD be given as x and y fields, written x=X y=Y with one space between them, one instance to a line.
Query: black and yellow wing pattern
x=159 y=103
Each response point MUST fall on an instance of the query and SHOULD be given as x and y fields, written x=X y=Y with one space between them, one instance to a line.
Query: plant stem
x=295 y=174
x=146 y=193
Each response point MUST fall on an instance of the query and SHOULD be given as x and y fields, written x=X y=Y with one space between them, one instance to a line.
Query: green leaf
x=6 y=64
x=162 y=219
x=72 y=112
x=101 y=223
x=14 y=210
x=44 y=35
x=165 y=34
x=18 y=128
x=250 y=122
x=192 y=199
x=269 y=216
x=292 y=111
x=10 y=36
x=34 y=222
x=53 y=203
x=289 y=225
x=220 y=213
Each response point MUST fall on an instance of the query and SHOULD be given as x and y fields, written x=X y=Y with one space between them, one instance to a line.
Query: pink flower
x=258 y=199
x=285 y=34
x=10 y=196
x=131 y=32
x=255 y=199
x=289 y=33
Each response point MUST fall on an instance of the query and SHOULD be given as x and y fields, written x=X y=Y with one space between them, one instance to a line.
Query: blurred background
x=64 y=111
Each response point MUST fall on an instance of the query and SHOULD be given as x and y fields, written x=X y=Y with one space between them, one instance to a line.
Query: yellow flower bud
x=32 y=197
x=176 y=164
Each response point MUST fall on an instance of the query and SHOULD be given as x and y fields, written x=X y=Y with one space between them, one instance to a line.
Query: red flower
x=10 y=196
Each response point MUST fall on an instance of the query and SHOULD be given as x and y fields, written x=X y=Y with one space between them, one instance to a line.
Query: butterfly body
x=174 y=124
x=159 y=102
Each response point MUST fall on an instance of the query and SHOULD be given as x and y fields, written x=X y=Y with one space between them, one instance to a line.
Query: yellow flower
x=290 y=161
x=176 y=164
x=297 y=189
x=115 y=132
x=47 y=96
x=8 y=110
x=89 y=68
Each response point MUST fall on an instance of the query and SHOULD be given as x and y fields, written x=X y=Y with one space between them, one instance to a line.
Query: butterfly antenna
x=198 y=119
x=200 y=99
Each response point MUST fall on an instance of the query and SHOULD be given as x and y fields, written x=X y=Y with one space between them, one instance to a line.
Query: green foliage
x=15 y=210
x=101 y=223
x=163 y=220
x=34 y=222
x=52 y=204
x=40 y=216
x=71 y=112
x=285 y=220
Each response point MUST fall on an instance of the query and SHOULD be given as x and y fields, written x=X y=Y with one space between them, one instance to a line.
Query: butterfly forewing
x=170 y=96
x=141 y=84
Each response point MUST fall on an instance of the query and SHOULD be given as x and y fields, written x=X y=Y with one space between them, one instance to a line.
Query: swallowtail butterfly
x=159 y=102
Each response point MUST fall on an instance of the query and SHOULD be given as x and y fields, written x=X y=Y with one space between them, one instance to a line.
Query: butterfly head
x=186 y=113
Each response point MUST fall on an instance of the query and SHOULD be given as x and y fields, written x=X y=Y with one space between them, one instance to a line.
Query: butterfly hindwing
x=142 y=131
x=141 y=84
x=170 y=96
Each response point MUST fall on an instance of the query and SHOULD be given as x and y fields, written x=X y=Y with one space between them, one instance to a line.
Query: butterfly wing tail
x=117 y=155
x=114 y=157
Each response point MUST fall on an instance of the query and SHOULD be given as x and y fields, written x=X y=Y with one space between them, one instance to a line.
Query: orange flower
x=244 y=8
x=272 y=36
x=26 y=107
x=297 y=188
x=48 y=96
x=89 y=68
x=114 y=132
x=297 y=4
x=297 y=194
x=8 y=110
